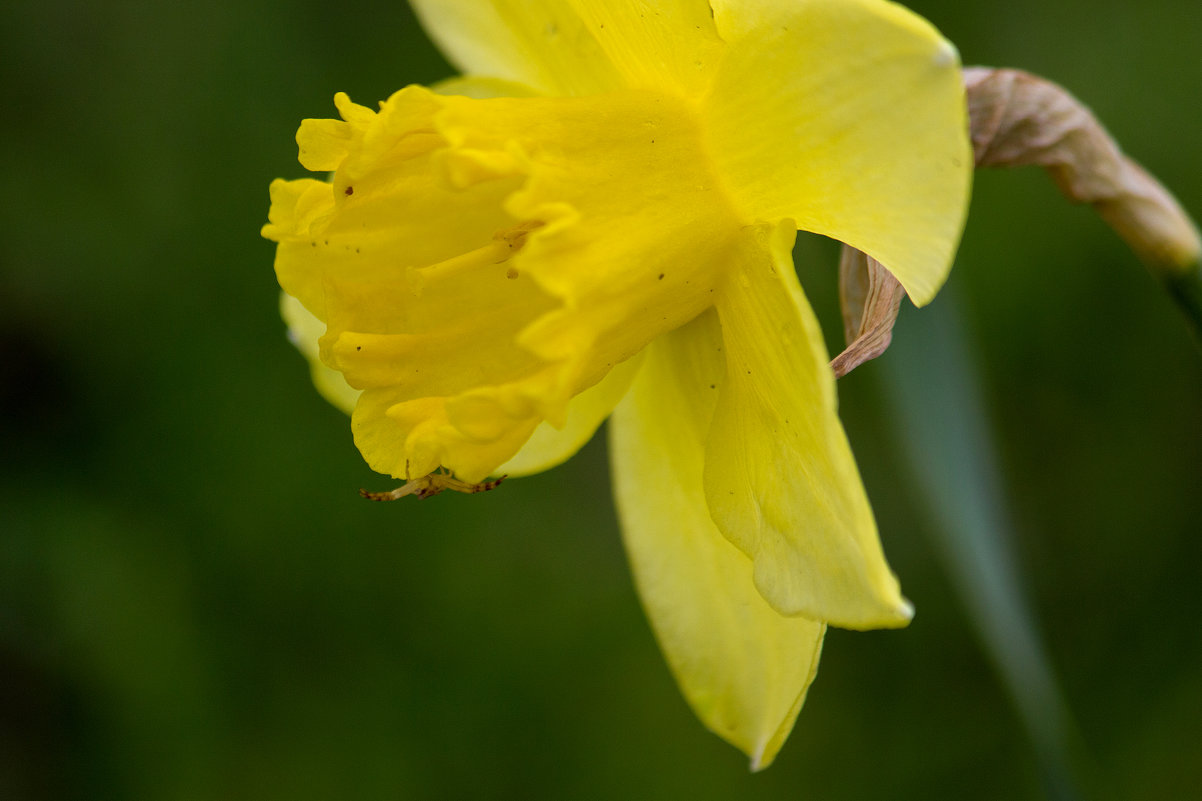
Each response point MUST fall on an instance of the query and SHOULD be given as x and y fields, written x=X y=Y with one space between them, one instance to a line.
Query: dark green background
x=195 y=603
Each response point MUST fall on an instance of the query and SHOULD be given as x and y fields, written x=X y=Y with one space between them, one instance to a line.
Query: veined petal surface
x=577 y=47
x=847 y=116
x=780 y=479
x=743 y=667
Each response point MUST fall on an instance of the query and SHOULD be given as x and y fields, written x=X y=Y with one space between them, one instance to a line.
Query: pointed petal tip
x=891 y=613
x=764 y=754
x=946 y=54
x=899 y=617
x=903 y=614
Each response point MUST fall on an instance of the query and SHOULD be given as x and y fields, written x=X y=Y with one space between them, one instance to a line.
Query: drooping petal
x=849 y=117
x=576 y=47
x=742 y=666
x=780 y=479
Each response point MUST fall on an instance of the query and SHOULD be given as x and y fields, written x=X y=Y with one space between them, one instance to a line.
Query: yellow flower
x=604 y=224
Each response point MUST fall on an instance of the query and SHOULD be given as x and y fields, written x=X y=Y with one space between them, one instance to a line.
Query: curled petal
x=780 y=479
x=743 y=667
x=861 y=133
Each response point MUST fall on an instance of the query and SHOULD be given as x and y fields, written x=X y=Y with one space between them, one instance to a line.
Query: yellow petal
x=481 y=88
x=325 y=143
x=411 y=437
x=671 y=45
x=779 y=476
x=304 y=330
x=541 y=43
x=742 y=666
x=577 y=47
x=847 y=116
x=549 y=446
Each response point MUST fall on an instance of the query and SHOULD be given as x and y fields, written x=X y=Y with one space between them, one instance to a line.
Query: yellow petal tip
x=906 y=609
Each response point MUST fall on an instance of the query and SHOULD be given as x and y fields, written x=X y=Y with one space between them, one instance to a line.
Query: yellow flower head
x=599 y=219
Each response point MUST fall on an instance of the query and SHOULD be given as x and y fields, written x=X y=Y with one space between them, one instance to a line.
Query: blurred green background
x=196 y=604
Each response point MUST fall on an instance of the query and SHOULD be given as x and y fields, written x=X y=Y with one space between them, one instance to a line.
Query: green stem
x=943 y=430
x=1186 y=290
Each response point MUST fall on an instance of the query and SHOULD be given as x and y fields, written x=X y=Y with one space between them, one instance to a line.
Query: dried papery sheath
x=1019 y=119
x=870 y=298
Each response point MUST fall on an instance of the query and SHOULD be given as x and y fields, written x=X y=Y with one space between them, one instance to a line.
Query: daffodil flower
x=597 y=222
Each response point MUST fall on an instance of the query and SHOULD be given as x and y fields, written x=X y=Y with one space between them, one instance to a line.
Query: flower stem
x=1186 y=290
